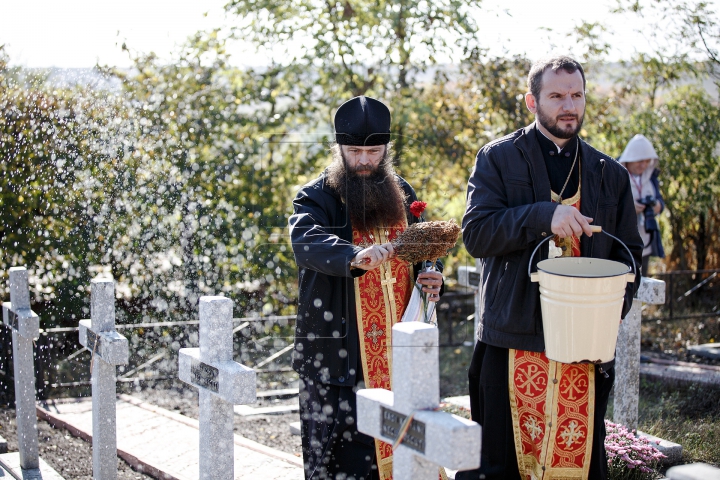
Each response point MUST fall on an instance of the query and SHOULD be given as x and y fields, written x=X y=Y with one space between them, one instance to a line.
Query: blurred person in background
x=641 y=162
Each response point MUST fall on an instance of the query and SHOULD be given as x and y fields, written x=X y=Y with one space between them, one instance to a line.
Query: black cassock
x=332 y=446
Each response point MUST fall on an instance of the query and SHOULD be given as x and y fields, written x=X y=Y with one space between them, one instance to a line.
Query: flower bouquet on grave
x=630 y=457
x=424 y=242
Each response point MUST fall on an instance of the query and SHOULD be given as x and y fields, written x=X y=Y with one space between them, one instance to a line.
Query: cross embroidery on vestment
x=388 y=281
x=533 y=428
x=571 y=433
x=375 y=333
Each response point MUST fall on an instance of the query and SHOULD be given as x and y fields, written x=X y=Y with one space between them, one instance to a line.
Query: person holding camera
x=641 y=161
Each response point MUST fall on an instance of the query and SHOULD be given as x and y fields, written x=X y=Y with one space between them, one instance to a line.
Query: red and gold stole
x=552 y=405
x=570 y=246
x=381 y=296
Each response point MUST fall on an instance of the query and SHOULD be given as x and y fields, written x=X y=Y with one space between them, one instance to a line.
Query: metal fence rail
x=63 y=366
x=689 y=294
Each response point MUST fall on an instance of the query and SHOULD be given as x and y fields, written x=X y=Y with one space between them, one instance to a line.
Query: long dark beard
x=373 y=201
x=551 y=124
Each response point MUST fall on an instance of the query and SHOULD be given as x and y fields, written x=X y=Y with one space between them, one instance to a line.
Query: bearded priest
x=352 y=290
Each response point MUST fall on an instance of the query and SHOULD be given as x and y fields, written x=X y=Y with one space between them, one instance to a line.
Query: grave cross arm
x=231 y=381
x=17 y=313
x=211 y=367
x=432 y=438
x=98 y=334
x=438 y=437
x=110 y=346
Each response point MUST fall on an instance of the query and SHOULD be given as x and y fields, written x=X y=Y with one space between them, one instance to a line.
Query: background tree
x=195 y=205
x=665 y=95
x=179 y=176
x=387 y=49
x=54 y=143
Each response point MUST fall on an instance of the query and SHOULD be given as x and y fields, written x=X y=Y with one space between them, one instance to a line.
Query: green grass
x=688 y=414
x=454 y=363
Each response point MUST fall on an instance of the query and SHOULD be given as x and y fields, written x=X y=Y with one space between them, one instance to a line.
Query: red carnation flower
x=417 y=208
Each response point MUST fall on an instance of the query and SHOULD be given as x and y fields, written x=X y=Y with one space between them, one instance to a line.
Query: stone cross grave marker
x=25 y=325
x=222 y=383
x=433 y=438
x=627 y=354
x=109 y=349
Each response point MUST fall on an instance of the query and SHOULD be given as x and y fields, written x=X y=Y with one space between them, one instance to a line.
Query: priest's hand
x=567 y=221
x=372 y=256
x=431 y=282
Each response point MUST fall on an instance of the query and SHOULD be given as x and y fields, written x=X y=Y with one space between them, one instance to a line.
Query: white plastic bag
x=415 y=310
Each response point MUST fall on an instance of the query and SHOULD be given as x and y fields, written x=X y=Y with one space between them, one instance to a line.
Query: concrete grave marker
x=432 y=438
x=470 y=277
x=25 y=325
x=694 y=471
x=627 y=354
x=707 y=350
x=222 y=383
x=109 y=349
x=627 y=367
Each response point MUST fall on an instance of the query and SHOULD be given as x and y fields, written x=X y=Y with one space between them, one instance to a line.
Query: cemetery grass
x=684 y=413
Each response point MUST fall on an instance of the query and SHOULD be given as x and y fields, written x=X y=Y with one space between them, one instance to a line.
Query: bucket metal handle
x=595 y=229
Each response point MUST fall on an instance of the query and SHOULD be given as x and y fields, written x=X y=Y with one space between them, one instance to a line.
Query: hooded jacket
x=640 y=148
x=509 y=211
x=326 y=333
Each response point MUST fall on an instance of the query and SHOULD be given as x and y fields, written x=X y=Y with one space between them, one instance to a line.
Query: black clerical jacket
x=509 y=212
x=326 y=334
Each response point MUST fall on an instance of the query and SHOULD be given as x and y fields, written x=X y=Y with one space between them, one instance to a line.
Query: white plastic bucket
x=581 y=301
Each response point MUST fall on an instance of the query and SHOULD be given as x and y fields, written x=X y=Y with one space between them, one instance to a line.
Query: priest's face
x=365 y=179
x=363 y=160
x=561 y=106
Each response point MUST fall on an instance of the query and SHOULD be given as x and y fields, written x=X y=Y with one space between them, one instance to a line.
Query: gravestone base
x=11 y=463
x=694 y=471
x=706 y=350
x=671 y=450
x=295 y=428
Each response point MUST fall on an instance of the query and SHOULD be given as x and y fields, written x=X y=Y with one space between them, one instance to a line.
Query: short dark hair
x=568 y=64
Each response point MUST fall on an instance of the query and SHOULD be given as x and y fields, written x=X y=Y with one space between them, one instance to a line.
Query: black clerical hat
x=362 y=121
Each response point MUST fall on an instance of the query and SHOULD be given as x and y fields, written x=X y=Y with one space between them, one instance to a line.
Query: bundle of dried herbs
x=426 y=241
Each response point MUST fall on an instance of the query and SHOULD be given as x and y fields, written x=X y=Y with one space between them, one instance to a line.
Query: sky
x=81 y=33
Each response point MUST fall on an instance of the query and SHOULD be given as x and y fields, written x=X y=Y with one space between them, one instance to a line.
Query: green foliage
x=181 y=179
x=682 y=124
x=53 y=143
x=198 y=208
x=398 y=51
x=687 y=29
x=382 y=49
